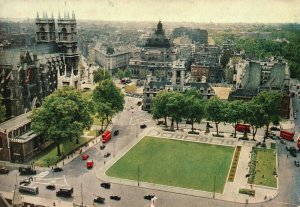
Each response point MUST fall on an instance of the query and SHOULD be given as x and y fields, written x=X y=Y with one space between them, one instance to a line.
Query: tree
x=254 y=114
x=174 y=107
x=101 y=75
x=104 y=111
x=2 y=110
x=158 y=106
x=120 y=74
x=108 y=93
x=271 y=104
x=128 y=73
x=194 y=109
x=235 y=113
x=63 y=115
x=215 y=111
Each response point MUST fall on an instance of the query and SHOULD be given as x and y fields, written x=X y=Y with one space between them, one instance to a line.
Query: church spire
x=37 y=15
x=73 y=15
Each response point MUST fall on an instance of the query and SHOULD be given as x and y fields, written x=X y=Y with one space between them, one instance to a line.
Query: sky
x=201 y=11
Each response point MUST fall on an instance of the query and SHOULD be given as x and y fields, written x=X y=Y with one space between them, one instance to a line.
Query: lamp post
x=214 y=187
x=138 y=175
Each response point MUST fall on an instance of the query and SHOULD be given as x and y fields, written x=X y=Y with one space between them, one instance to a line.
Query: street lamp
x=138 y=175
x=214 y=187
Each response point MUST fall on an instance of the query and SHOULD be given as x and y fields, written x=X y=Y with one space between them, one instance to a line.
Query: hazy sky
x=267 y=11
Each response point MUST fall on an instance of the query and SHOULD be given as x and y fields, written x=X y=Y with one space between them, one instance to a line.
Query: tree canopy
x=100 y=75
x=63 y=115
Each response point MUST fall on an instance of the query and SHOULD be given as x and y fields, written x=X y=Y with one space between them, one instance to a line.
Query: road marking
x=284 y=203
x=50 y=179
x=130 y=119
x=65 y=179
x=41 y=175
x=298 y=196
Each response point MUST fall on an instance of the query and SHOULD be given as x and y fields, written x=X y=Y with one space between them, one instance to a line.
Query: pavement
x=231 y=189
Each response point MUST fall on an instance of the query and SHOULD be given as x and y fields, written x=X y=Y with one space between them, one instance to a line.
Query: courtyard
x=176 y=163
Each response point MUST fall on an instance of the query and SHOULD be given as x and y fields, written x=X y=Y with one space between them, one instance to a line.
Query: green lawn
x=265 y=166
x=176 y=163
x=49 y=156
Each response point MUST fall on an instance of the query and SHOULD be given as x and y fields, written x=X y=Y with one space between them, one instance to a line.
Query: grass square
x=175 y=163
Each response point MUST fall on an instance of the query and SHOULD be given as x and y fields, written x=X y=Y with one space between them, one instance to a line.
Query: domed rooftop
x=158 y=39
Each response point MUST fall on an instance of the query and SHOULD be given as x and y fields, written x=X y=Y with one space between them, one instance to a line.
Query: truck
x=106 y=136
x=28 y=188
x=242 y=128
x=287 y=135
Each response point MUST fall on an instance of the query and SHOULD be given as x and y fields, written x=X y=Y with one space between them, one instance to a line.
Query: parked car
x=149 y=197
x=107 y=154
x=99 y=199
x=102 y=147
x=143 y=126
x=57 y=169
x=297 y=164
x=105 y=185
x=26 y=171
x=89 y=164
x=4 y=170
x=50 y=187
x=116 y=132
x=115 y=197
x=274 y=128
x=282 y=141
x=85 y=157
x=65 y=192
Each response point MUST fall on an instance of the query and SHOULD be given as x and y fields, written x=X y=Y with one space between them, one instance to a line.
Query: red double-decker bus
x=106 y=136
x=287 y=135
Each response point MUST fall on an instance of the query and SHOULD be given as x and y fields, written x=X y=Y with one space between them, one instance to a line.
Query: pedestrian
x=287 y=155
x=54 y=203
x=52 y=167
x=63 y=163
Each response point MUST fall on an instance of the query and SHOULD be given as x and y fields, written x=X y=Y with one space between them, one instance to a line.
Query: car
x=26 y=171
x=99 y=199
x=65 y=192
x=143 y=126
x=149 y=196
x=105 y=185
x=4 y=170
x=274 y=128
x=116 y=132
x=115 y=197
x=26 y=181
x=139 y=103
x=297 y=164
x=107 y=154
x=50 y=187
x=293 y=153
x=57 y=169
x=89 y=164
x=102 y=147
x=85 y=157
x=282 y=141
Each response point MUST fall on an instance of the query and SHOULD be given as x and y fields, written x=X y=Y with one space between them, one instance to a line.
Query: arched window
x=64 y=34
x=42 y=33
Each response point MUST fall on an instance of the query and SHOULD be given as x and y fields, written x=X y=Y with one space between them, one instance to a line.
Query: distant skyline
x=202 y=11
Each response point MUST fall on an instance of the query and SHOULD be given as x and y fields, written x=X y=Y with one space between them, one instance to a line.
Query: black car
x=102 y=147
x=26 y=181
x=105 y=185
x=65 y=192
x=99 y=200
x=50 y=187
x=149 y=197
x=4 y=170
x=115 y=197
x=274 y=128
x=143 y=126
x=26 y=171
x=107 y=154
x=116 y=132
x=57 y=169
x=297 y=164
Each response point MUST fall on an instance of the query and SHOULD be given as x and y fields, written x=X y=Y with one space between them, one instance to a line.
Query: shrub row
x=247 y=191
x=252 y=166
x=234 y=164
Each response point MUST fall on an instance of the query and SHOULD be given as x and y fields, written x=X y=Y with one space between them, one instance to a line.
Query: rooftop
x=15 y=122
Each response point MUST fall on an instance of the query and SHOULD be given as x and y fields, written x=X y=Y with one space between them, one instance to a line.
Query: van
x=106 y=136
x=242 y=128
x=65 y=192
x=29 y=188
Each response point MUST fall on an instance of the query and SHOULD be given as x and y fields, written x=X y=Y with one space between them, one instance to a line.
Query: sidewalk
x=231 y=189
